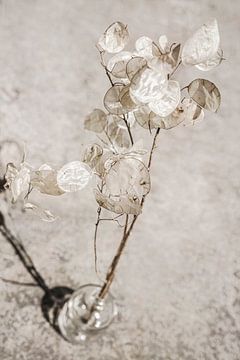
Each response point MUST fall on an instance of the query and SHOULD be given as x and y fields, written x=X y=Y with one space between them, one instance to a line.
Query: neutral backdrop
x=178 y=284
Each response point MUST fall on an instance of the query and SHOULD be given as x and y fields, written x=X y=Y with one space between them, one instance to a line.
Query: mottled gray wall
x=178 y=284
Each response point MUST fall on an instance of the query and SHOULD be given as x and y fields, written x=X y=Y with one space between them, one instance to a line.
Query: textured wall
x=178 y=284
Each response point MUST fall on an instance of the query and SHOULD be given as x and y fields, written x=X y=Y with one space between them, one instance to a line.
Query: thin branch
x=128 y=129
x=112 y=268
x=104 y=66
x=99 y=210
x=108 y=75
x=173 y=72
x=127 y=230
x=126 y=225
x=112 y=219
x=30 y=189
x=152 y=148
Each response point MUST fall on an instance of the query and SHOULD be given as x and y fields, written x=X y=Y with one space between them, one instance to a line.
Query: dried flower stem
x=180 y=62
x=128 y=129
x=114 y=263
x=152 y=148
x=101 y=53
x=126 y=232
x=99 y=210
x=108 y=75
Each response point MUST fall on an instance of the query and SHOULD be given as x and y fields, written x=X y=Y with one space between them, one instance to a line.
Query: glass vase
x=84 y=313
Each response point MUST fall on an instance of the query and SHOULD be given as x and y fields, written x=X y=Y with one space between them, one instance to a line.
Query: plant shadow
x=52 y=303
x=53 y=298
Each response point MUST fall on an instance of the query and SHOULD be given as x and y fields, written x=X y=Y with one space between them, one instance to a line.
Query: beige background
x=178 y=284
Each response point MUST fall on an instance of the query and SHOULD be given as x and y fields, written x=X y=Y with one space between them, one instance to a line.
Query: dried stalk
x=152 y=148
x=128 y=129
x=99 y=210
x=127 y=230
x=112 y=268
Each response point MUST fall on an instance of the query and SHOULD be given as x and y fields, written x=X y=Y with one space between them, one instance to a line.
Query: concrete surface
x=178 y=284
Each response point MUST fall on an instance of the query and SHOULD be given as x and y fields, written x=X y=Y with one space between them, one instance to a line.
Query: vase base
x=84 y=313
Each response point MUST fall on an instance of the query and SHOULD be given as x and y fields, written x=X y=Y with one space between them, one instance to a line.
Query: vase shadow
x=53 y=298
x=52 y=303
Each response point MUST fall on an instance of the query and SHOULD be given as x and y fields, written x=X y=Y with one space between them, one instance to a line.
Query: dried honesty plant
x=21 y=180
x=143 y=94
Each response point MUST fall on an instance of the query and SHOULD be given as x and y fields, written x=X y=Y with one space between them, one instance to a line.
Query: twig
x=104 y=66
x=99 y=210
x=113 y=219
x=128 y=129
x=127 y=230
x=108 y=75
x=180 y=62
x=152 y=148
x=112 y=267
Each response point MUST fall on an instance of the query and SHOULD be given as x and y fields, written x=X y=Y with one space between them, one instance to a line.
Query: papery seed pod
x=126 y=100
x=73 y=176
x=120 y=205
x=170 y=121
x=205 y=94
x=212 y=62
x=112 y=100
x=134 y=65
x=119 y=135
x=117 y=65
x=129 y=176
x=202 y=45
x=96 y=121
x=146 y=48
x=143 y=118
x=168 y=102
x=114 y=38
x=148 y=85
x=17 y=180
x=92 y=154
x=45 y=180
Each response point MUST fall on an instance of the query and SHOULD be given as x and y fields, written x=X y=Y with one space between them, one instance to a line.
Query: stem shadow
x=53 y=298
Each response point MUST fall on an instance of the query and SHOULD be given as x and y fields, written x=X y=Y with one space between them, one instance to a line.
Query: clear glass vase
x=84 y=313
